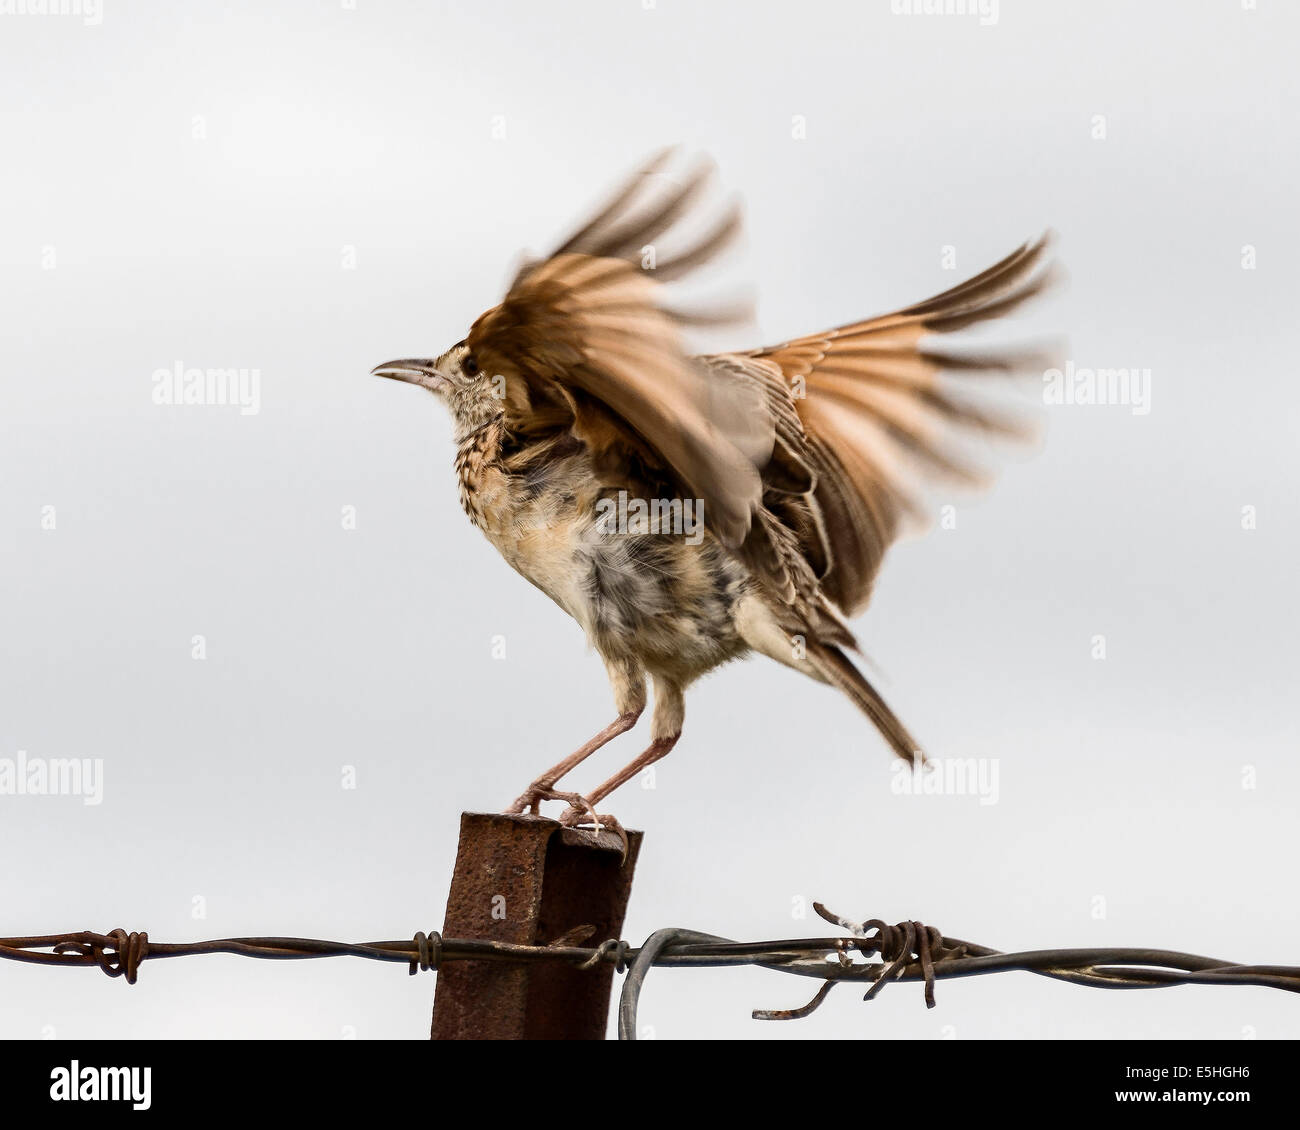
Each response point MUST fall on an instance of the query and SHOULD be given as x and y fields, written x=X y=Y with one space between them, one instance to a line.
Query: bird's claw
x=580 y=813
x=530 y=800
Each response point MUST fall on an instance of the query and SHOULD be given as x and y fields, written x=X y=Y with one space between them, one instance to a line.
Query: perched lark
x=688 y=510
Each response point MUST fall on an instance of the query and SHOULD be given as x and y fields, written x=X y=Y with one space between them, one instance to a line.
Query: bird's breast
x=655 y=591
x=538 y=533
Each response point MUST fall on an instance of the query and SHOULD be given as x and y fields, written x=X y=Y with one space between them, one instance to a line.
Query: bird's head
x=472 y=396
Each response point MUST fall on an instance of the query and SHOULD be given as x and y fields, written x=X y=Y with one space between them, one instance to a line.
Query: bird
x=688 y=509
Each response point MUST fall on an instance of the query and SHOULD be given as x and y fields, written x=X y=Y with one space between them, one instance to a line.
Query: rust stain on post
x=525 y=879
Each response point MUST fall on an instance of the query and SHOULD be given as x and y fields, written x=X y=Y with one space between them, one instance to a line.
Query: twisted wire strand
x=904 y=951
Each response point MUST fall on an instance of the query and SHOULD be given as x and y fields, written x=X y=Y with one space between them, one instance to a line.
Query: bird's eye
x=469 y=366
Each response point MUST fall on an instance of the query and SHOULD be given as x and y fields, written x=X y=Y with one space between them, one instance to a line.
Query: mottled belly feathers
x=645 y=582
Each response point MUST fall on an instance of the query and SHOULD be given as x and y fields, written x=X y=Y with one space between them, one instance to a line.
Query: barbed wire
x=906 y=951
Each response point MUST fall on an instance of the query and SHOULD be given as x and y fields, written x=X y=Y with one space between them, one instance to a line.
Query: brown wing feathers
x=856 y=415
x=878 y=421
x=584 y=329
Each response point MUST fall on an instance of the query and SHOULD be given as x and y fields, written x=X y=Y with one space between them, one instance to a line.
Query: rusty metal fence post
x=527 y=880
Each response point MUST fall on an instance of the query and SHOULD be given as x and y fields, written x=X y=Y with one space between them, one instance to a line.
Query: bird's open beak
x=415 y=370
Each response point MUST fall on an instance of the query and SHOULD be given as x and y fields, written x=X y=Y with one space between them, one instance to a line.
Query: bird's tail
x=838 y=670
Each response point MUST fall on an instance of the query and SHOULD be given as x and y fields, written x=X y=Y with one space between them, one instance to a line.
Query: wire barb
x=428 y=952
x=906 y=951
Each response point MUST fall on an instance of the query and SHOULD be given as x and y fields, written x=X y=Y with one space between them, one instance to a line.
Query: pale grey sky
x=307 y=190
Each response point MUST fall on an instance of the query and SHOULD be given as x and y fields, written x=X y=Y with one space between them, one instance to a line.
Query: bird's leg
x=578 y=813
x=628 y=683
x=544 y=787
x=670 y=710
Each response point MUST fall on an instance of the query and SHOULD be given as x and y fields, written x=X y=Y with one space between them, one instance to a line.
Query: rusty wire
x=907 y=951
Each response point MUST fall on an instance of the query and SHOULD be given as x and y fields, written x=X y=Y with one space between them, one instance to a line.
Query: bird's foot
x=581 y=815
x=530 y=800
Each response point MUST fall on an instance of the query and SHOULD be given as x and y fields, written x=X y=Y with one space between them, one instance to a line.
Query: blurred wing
x=583 y=342
x=879 y=420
